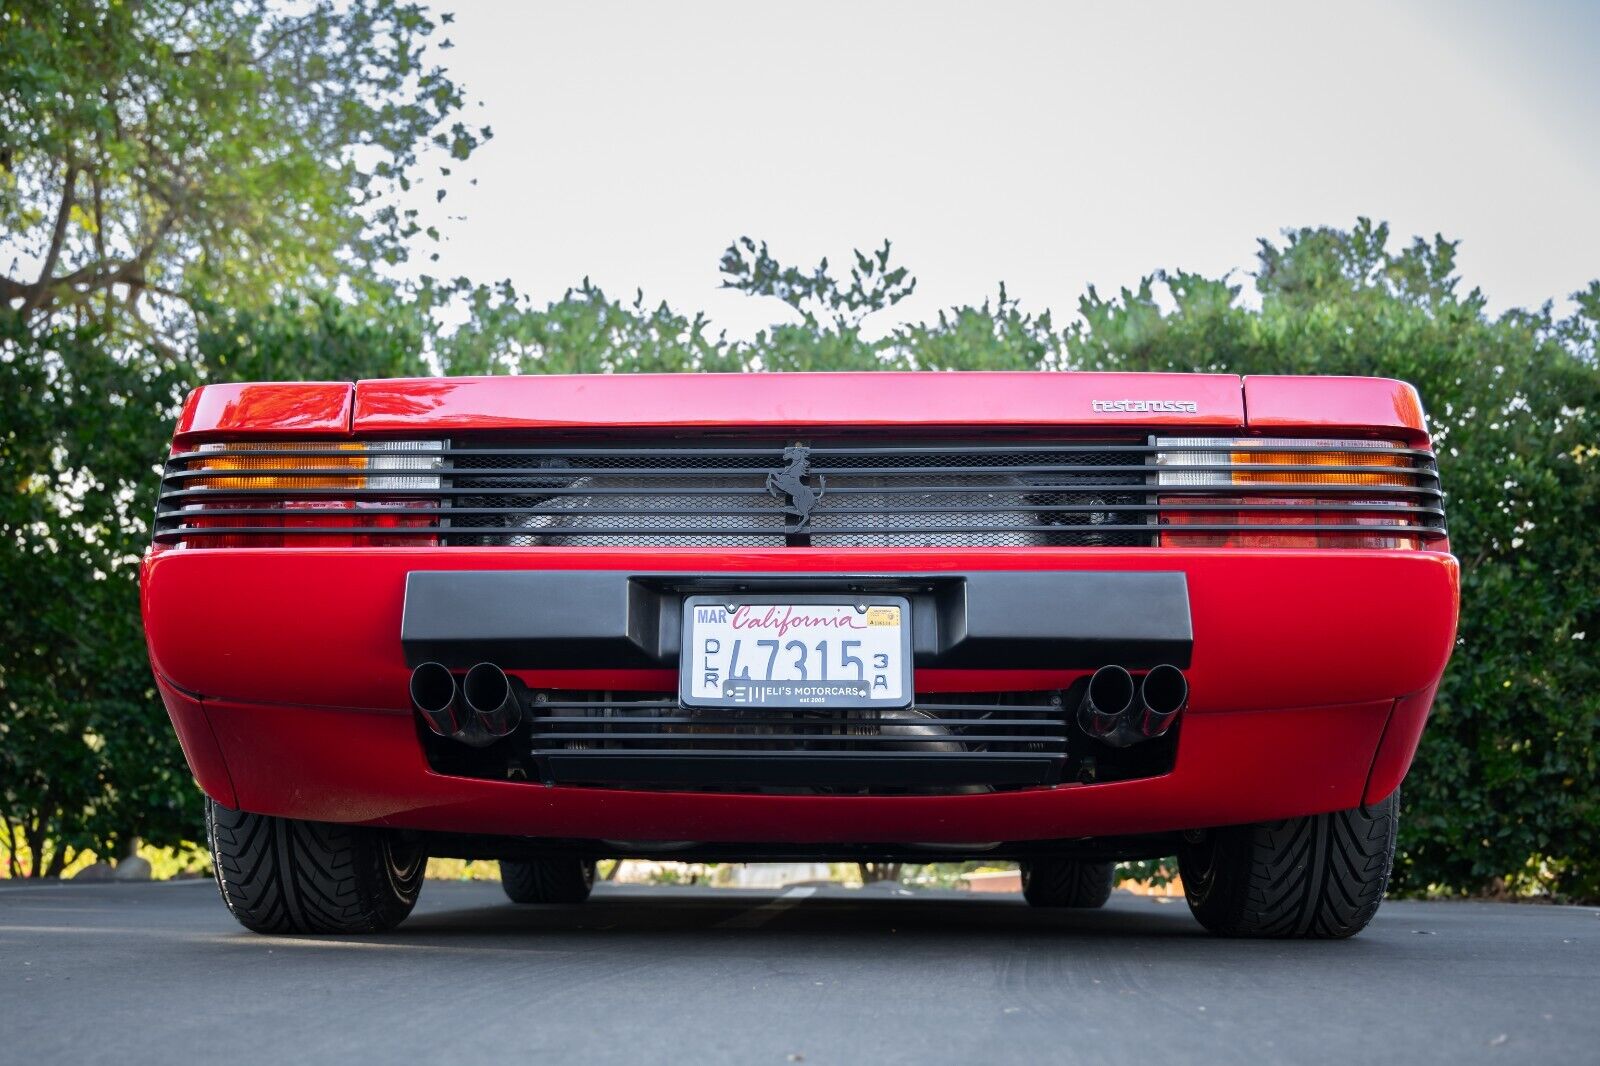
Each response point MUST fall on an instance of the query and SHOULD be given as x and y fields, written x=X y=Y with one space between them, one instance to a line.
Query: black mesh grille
x=577 y=498
x=949 y=495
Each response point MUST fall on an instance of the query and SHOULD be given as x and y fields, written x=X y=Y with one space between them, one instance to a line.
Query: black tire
x=1316 y=878
x=281 y=875
x=1067 y=882
x=558 y=879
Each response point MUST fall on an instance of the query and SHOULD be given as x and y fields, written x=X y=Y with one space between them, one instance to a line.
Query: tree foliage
x=87 y=759
x=587 y=331
x=157 y=150
x=183 y=188
x=84 y=758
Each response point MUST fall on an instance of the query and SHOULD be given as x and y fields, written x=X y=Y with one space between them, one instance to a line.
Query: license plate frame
x=786 y=694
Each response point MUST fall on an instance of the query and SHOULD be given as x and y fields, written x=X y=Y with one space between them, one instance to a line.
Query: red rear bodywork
x=1314 y=644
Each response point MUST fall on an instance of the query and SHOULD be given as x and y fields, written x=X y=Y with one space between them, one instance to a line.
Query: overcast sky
x=1052 y=146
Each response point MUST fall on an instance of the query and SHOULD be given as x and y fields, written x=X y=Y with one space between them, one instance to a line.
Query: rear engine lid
x=785 y=401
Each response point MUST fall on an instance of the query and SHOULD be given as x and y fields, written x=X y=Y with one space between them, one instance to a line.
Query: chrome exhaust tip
x=1107 y=699
x=488 y=695
x=1163 y=693
x=436 y=698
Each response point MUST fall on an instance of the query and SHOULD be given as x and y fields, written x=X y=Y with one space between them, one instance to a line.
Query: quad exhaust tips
x=1119 y=712
x=480 y=710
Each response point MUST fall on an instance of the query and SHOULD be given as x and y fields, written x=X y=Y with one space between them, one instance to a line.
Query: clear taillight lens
x=397 y=456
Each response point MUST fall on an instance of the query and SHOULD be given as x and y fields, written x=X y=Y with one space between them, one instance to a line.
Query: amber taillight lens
x=277 y=471
x=1296 y=493
x=271 y=494
x=1247 y=458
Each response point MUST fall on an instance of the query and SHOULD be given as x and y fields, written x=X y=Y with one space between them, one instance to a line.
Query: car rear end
x=802 y=614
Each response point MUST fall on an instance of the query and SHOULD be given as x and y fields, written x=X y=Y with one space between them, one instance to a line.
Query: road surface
x=159 y=973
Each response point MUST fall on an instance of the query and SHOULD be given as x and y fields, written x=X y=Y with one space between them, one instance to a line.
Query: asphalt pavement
x=160 y=973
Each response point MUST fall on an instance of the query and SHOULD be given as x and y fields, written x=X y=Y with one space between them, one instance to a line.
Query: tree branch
x=58 y=236
x=58 y=859
x=287 y=30
x=101 y=274
x=99 y=208
x=33 y=840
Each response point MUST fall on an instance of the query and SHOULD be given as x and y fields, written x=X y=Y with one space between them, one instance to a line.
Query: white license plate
x=795 y=651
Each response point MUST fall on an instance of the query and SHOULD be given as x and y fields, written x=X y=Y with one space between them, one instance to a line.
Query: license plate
x=796 y=651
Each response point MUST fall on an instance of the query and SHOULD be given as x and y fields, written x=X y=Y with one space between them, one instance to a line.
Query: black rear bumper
x=985 y=620
x=613 y=619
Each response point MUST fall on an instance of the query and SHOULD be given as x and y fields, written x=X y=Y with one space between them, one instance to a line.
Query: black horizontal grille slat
x=821 y=492
x=450 y=491
x=615 y=719
x=767 y=753
x=635 y=719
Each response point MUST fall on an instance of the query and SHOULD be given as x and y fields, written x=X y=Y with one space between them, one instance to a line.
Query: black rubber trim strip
x=612 y=619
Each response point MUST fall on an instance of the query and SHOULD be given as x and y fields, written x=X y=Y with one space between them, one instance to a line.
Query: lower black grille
x=942 y=741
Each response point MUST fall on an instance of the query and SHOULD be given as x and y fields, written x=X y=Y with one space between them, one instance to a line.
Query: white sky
x=1052 y=146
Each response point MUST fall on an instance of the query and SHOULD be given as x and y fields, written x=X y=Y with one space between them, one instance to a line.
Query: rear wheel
x=558 y=879
x=282 y=875
x=1320 y=877
x=1067 y=882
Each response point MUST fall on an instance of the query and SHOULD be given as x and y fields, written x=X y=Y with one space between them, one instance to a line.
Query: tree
x=587 y=331
x=189 y=192
x=156 y=151
x=80 y=734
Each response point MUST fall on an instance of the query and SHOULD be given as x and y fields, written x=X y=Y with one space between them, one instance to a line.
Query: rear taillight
x=1301 y=525
x=1295 y=493
x=265 y=494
